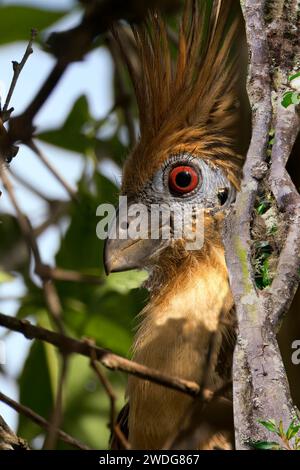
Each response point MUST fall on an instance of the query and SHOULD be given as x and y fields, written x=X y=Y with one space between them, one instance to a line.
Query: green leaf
x=72 y=135
x=297 y=443
x=287 y=99
x=272 y=141
x=36 y=389
x=265 y=445
x=79 y=134
x=17 y=21
x=104 y=312
x=293 y=429
x=262 y=208
x=125 y=282
x=80 y=248
x=13 y=251
x=86 y=405
x=5 y=277
x=266 y=278
x=281 y=432
x=270 y=424
x=292 y=77
x=273 y=230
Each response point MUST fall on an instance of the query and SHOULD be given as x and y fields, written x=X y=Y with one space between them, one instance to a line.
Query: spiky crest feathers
x=190 y=105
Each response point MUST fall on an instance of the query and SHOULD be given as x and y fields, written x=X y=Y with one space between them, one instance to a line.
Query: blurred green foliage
x=105 y=312
x=17 y=21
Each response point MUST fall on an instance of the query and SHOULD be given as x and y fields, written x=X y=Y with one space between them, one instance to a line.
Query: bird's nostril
x=223 y=195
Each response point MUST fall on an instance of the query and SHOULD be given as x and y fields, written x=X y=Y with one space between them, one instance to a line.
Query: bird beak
x=122 y=252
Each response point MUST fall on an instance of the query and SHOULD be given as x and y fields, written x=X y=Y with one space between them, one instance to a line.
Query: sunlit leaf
x=5 y=277
x=125 y=282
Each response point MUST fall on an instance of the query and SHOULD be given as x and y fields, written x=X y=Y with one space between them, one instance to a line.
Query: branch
x=56 y=418
x=58 y=274
x=286 y=281
x=53 y=303
x=24 y=410
x=260 y=387
x=111 y=361
x=114 y=427
x=51 y=296
x=17 y=68
x=8 y=439
x=72 y=45
x=109 y=391
x=26 y=184
x=71 y=191
x=213 y=412
x=287 y=127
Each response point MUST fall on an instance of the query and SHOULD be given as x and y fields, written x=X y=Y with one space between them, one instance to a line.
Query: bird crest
x=187 y=104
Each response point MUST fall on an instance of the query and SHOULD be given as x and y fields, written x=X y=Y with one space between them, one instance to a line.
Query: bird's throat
x=174 y=338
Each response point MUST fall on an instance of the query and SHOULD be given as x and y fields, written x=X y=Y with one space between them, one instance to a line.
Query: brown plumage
x=186 y=108
x=190 y=105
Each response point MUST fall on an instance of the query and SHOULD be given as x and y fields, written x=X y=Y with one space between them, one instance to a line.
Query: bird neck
x=174 y=337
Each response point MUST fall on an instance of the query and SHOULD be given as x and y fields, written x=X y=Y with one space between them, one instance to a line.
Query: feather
x=191 y=104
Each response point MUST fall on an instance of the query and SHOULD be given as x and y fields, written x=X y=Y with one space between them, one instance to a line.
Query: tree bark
x=8 y=439
x=261 y=389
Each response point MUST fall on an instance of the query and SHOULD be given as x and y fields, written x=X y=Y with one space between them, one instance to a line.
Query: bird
x=186 y=156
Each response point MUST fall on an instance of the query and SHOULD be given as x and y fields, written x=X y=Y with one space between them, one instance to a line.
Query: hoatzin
x=186 y=154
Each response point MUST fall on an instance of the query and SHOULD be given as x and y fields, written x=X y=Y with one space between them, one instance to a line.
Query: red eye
x=183 y=179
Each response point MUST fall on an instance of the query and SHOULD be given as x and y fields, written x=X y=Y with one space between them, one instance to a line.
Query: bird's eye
x=183 y=179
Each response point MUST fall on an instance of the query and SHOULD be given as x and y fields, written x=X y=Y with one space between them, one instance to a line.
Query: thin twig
x=72 y=45
x=11 y=298
x=70 y=190
x=57 y=414
x=22 y=219
x=190 y=435
x=121 y=437
x=108 y=359
x=58 y=209
x=58 y=274
x=42 y=422
x=109 y=391
x=114 y=427
x=29 y=186
x=17 y=68
x=50 y=293
x=53 y=304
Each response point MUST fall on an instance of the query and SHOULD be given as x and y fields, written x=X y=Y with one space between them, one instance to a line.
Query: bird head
x=184 y=171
